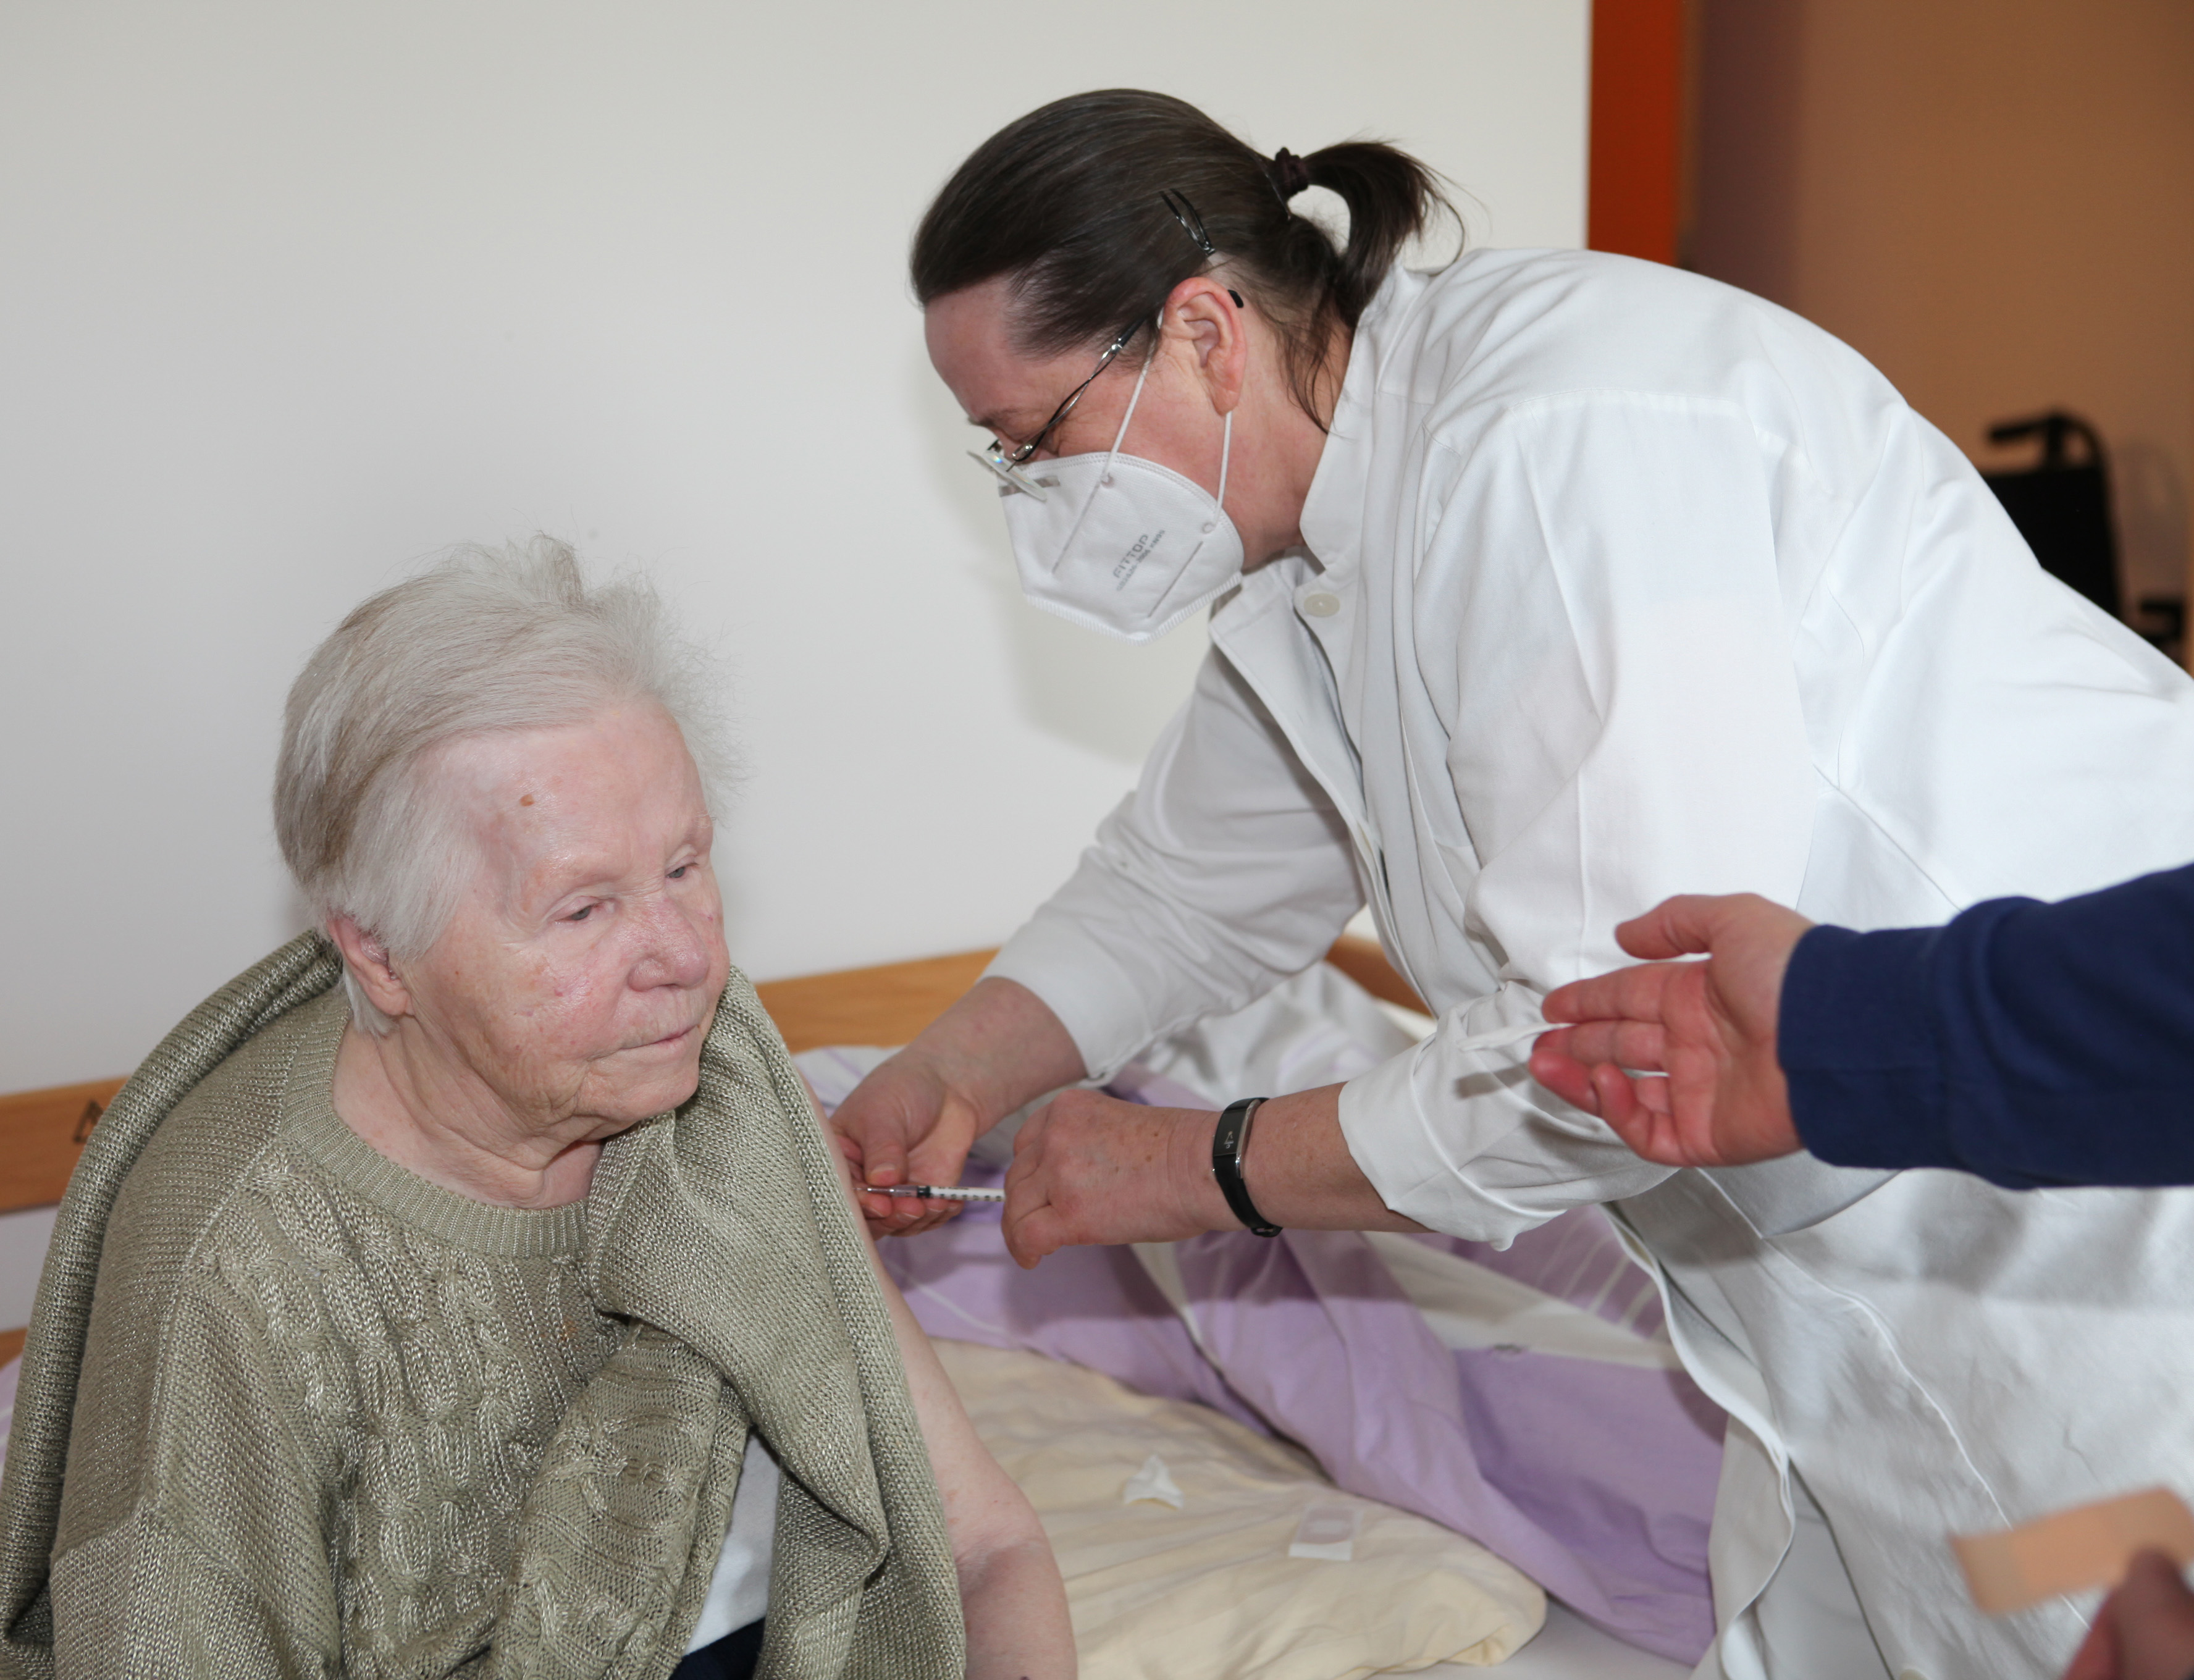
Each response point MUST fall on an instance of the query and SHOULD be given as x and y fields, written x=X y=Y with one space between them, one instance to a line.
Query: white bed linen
x=1569 y=1649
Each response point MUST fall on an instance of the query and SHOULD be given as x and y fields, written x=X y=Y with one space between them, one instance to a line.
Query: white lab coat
x=1620 y=583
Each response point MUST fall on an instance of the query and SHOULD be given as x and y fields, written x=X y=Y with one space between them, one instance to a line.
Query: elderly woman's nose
x=677 y=945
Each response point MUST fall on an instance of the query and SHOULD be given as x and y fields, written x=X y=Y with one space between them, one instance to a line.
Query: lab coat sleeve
x=1599 y=608
x=1225 y=872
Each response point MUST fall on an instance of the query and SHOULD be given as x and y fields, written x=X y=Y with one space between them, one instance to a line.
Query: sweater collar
x=308 y=1112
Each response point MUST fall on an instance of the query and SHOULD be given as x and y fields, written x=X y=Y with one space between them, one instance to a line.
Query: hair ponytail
x=1066 y=204
x=1391 y=197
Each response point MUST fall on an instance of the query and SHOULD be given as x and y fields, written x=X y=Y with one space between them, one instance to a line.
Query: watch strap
x=1228 y=1141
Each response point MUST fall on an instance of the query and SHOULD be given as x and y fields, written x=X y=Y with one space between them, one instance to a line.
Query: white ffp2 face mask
x=1118 y=543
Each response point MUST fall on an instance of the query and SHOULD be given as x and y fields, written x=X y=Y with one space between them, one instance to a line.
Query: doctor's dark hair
x=1066 y=203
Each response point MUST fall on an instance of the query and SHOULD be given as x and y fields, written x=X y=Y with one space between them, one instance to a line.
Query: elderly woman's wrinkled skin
x=568 y=996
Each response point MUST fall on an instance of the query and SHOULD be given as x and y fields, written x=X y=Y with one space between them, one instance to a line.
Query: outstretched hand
x=1709 y=1028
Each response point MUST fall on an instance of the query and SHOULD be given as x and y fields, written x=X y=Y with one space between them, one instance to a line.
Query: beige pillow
x=1209 y=1590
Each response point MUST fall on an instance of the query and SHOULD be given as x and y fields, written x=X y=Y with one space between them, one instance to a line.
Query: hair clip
x=1192 y=224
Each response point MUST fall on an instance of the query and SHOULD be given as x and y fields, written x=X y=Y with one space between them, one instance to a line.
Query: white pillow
x=1209 y=1590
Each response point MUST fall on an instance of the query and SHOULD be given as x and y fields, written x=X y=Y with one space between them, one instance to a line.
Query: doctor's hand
x=1709 y=1027
x=1091 y=1168
x=2145 y=1630
x=905 y=1125
x=911 y=1120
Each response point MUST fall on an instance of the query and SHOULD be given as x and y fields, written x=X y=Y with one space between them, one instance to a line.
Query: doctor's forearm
x=1299 y=1173
x=998 y=1048
x=1090 y=1168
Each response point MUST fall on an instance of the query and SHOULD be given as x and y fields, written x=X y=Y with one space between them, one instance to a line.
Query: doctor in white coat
x=1543 y=586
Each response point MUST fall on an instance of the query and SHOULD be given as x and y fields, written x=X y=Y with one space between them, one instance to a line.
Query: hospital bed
x=41 y=1133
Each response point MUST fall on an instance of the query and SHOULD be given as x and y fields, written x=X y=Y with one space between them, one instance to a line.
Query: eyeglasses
x=1005 y=459
x=1006 y=462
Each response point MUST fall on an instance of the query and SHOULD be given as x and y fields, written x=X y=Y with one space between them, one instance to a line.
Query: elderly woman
x=500 y=1310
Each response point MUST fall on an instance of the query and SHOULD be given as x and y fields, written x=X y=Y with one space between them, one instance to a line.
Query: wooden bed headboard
x=41 y=1133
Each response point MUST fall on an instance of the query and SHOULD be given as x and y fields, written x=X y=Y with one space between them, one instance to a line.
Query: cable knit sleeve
x=147 y=1602
x=192 y=1541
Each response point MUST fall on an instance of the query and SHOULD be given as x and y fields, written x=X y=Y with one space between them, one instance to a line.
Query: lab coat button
x=1321 y=605
x=1911 y=1674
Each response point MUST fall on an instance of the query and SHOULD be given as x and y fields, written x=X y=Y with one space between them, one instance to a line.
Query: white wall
x=297 y=295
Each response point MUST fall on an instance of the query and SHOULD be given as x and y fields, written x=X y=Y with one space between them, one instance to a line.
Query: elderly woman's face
x=579 y=975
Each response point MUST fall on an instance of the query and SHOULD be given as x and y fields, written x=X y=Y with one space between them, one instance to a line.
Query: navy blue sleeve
x=2031 y=1044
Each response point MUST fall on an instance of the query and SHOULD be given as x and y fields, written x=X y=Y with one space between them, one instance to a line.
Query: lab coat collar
x=1333 y=511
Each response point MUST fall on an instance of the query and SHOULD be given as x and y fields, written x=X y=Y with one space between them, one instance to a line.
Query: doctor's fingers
x=1033 y=1233
x=872 y=1137
x=909 y=1129
x=1622 y=1043
x=1030 y=1227
x=1635 y=993
x=907 y=1215
x=941 y=1158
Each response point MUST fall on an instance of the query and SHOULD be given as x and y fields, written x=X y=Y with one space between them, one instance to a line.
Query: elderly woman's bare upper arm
x=983 y=1508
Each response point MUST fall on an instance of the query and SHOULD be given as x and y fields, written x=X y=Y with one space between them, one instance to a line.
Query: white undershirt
x=738 y=1592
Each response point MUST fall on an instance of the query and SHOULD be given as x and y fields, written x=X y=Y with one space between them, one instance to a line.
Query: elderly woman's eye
x=681 y=872
x=581 y=914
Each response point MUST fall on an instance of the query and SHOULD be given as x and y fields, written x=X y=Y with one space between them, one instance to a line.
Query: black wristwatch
x=1228 y=1143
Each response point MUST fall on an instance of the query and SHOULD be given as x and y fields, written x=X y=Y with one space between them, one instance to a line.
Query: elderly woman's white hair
x=489 y=639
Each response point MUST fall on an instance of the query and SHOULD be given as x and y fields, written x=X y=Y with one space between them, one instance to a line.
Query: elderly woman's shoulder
x=227 y=1154
x=198 y=1273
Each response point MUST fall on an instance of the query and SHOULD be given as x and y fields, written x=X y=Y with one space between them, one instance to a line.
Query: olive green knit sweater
x=287 y=1409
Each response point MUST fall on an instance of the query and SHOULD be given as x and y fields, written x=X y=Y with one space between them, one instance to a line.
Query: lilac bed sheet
x=1596 y=1479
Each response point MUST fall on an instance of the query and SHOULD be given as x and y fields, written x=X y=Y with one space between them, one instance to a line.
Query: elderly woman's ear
x=372 y=970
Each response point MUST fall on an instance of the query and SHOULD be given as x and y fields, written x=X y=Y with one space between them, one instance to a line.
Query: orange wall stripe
x=1634 y=206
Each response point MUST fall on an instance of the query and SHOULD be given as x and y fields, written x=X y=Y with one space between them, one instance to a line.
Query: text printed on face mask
x=1128 y=563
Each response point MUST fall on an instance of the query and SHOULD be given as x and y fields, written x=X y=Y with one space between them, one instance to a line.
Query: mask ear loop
x=1121 y=436
x=1225 y=438
x=1226 y=450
